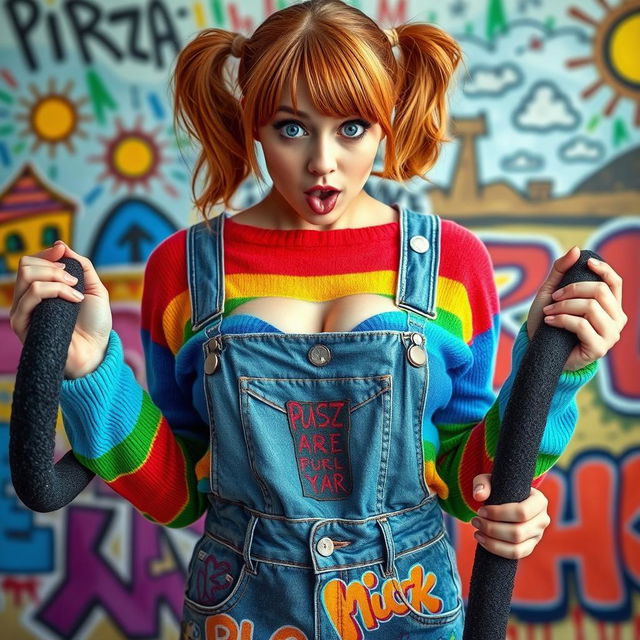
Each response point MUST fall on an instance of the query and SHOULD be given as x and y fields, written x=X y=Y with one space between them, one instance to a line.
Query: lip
x=321 y=187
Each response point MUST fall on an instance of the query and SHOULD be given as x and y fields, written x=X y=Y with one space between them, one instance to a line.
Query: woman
x=319 y=365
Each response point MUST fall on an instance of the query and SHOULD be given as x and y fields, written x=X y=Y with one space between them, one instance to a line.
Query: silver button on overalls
x=419 y=244
x=325 y=546
x=319 y=355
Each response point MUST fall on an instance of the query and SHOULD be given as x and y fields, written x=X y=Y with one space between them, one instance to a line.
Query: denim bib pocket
x=321 y=426
x=217 y=577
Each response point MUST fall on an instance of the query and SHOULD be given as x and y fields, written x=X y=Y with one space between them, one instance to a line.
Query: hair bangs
x=353 y=84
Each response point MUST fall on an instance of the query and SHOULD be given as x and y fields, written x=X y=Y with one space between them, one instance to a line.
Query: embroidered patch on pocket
x=320 y=432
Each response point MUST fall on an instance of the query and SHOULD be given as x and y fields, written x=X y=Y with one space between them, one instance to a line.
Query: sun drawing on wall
x=53 y=118
x=133 y=157
x=615 y=53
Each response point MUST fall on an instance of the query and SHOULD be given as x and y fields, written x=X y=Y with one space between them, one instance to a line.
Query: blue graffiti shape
x=24 y=548
x=129 y=232
x=581 y=149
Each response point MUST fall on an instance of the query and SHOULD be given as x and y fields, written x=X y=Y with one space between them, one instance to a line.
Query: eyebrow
x=302 y=114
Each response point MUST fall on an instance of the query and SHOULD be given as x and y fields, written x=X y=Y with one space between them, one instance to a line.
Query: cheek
x=279 y=161
x=362 y=161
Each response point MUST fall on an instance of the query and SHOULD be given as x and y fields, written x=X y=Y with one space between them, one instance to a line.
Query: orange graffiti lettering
x=224 y=627
x=343 y=602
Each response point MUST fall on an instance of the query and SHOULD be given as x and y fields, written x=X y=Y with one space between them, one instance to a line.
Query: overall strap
x=419 y=264
x=205 y=273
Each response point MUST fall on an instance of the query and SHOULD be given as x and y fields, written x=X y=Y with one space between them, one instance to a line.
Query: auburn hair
x=350 y=68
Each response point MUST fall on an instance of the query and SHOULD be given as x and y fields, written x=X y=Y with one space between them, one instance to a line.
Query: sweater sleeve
x=144 y=444
x=469 y=425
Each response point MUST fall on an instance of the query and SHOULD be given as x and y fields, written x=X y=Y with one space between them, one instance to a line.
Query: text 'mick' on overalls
x=320 y=523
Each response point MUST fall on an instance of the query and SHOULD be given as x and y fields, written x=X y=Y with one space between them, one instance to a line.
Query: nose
x=322 y=158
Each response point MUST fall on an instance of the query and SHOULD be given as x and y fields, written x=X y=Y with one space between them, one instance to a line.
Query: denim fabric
x=320 y=524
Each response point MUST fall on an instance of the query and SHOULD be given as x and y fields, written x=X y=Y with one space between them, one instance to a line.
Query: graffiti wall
x=545 y=154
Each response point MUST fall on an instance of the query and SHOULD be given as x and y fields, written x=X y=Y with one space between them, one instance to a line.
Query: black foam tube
x=41 y=485
x=523 y=424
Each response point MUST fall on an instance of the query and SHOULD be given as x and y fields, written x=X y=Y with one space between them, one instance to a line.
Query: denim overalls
x=320 y=523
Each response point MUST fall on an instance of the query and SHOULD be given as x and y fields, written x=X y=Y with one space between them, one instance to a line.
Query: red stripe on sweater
x=165 y=460
x=465 y=258
x=474 y=461
x=371 y=249
x=167 y=269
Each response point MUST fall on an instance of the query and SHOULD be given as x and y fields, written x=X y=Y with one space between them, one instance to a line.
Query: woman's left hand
x=591 y=310
x=510 y=530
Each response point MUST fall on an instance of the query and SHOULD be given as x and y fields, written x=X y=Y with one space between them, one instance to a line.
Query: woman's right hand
x=41 y=276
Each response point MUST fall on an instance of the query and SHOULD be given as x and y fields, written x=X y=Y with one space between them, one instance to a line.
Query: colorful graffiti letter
x=374 y=607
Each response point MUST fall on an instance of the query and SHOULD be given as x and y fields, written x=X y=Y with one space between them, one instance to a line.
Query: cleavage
x=302 y=316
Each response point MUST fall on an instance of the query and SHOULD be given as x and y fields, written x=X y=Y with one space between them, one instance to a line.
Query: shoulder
x=171 y=252
x=463 y=256
x=165 y=308
x=466 y=277
x=458 y=240
x=165 y=274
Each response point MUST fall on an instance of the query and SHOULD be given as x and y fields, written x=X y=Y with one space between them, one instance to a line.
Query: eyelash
x=283 y=123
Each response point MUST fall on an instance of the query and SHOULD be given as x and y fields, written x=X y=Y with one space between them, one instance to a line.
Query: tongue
x=322 y=204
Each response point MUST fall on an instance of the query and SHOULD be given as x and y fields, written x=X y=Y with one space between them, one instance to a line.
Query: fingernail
x=594 y=261
x=558 y=293
x=78 y=295
x=476 y=522
x=69 y=278
x=482 y=512
x=549 y=318
x=547 y=307
x=57 y=242
x=480 y=538
x=478 y=488
x=62 y=265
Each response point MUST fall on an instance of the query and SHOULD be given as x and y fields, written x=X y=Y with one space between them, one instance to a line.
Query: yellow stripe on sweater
x=452 y=297
x=176 y=315
x=313 y=288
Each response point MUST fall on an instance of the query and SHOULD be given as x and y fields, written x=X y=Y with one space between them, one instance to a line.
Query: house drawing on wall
x=33 y=216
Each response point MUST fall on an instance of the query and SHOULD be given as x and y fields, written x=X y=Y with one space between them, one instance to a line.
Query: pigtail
x=429 y=58
x=209 y=113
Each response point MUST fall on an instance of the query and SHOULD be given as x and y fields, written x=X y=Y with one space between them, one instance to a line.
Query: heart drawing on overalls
x=214 y=576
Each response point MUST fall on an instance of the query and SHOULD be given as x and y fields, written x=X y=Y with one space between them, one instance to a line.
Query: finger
x=35 y=294
x=599 y=291
x=592 y=346
x=92 y=283
x=560 y=267
x=604 y=325
x=507 y=549
x=607 y=273
x=481 y=487
x=37 y=269
x=516 y=511
x=510 y=531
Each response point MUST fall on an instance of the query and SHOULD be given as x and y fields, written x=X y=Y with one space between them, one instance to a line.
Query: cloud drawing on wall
x=522 y=160
x=581 y=149
x=545 y=108
x=491 y=81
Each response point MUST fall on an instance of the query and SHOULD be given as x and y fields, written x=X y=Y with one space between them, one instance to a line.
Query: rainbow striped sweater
x=152 y=446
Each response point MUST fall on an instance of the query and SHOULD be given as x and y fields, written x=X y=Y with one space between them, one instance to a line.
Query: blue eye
x=290 y=127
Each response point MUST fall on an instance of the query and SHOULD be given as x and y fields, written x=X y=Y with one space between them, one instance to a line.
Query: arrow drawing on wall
x=135 y=236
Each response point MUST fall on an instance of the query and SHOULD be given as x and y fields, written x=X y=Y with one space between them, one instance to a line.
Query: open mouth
x=324 y=202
